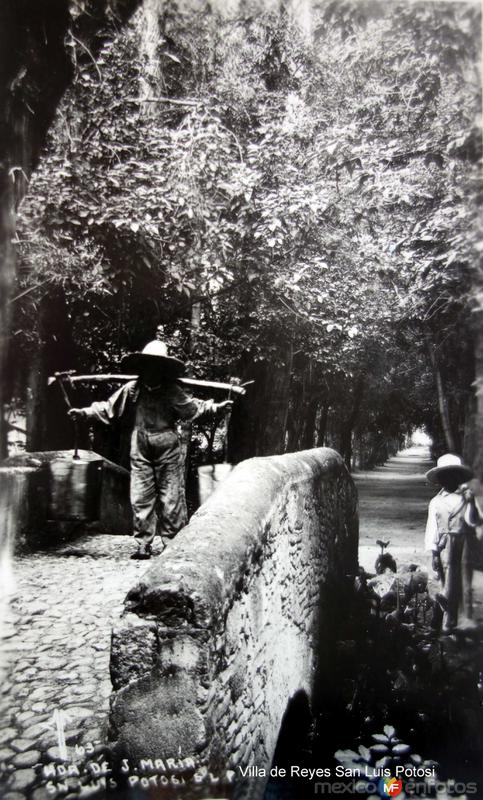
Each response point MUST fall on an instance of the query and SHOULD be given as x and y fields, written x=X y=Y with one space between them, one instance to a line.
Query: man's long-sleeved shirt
x=151 y=409
x=448 y=512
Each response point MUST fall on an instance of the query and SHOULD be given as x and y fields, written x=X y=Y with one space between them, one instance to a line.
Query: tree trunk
x=322 y=424
x=272 y=436
x=186 y=427
x=308 y=433
x=441 y=395
x=346 y=434
x=259 y=420
x=48 y=426
x=295 y=415
x=7 y=275
x=478 y=416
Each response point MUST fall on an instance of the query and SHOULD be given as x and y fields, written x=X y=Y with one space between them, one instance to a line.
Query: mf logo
x=390 y=787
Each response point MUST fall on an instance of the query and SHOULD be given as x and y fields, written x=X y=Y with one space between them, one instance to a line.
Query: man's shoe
x=143 y=553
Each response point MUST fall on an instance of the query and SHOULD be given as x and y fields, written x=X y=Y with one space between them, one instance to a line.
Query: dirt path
x=393 y=503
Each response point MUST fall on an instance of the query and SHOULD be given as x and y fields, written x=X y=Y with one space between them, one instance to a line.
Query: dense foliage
x=311 y=194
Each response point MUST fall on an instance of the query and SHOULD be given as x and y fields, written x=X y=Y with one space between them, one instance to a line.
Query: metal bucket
x=209 y=478
x=75 y=489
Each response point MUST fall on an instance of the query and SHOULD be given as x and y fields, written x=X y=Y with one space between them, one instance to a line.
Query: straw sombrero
x=445 y=464
x=155 y=354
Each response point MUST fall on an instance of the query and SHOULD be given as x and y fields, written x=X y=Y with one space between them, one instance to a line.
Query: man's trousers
x=458 y=575
x=157 y=486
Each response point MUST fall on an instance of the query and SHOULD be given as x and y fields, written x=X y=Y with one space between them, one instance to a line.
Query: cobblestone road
x=55 y=647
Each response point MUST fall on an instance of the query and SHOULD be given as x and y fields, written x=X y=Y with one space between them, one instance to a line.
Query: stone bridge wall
x=225 y=628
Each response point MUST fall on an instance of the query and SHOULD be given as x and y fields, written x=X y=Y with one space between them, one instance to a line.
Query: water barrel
x=75 y=489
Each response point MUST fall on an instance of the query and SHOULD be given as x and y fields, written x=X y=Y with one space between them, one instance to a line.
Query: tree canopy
x=312 y=193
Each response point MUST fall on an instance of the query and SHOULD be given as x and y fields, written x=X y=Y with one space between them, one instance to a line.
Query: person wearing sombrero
x=453 y=515
x=153 y=403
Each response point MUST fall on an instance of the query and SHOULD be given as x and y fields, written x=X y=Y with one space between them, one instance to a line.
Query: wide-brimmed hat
x=447 y=463
x=154 y=354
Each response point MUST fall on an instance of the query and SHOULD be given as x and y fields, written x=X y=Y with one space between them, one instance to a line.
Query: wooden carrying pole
x=229 y=387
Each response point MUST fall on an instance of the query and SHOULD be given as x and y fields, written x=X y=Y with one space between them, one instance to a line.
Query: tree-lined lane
x=393 y=505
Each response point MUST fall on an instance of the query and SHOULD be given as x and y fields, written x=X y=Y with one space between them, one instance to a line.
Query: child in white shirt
x=453 y=515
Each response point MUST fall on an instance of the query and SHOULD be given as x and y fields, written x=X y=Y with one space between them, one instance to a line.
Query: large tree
x=312 y=197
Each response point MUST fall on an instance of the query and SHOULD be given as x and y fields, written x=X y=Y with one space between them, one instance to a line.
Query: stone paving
x=54 y=658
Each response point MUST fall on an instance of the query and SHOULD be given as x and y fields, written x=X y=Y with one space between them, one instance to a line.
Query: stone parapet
x=225 y=628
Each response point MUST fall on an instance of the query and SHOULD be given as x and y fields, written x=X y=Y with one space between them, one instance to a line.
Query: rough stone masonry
x=224 y=629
